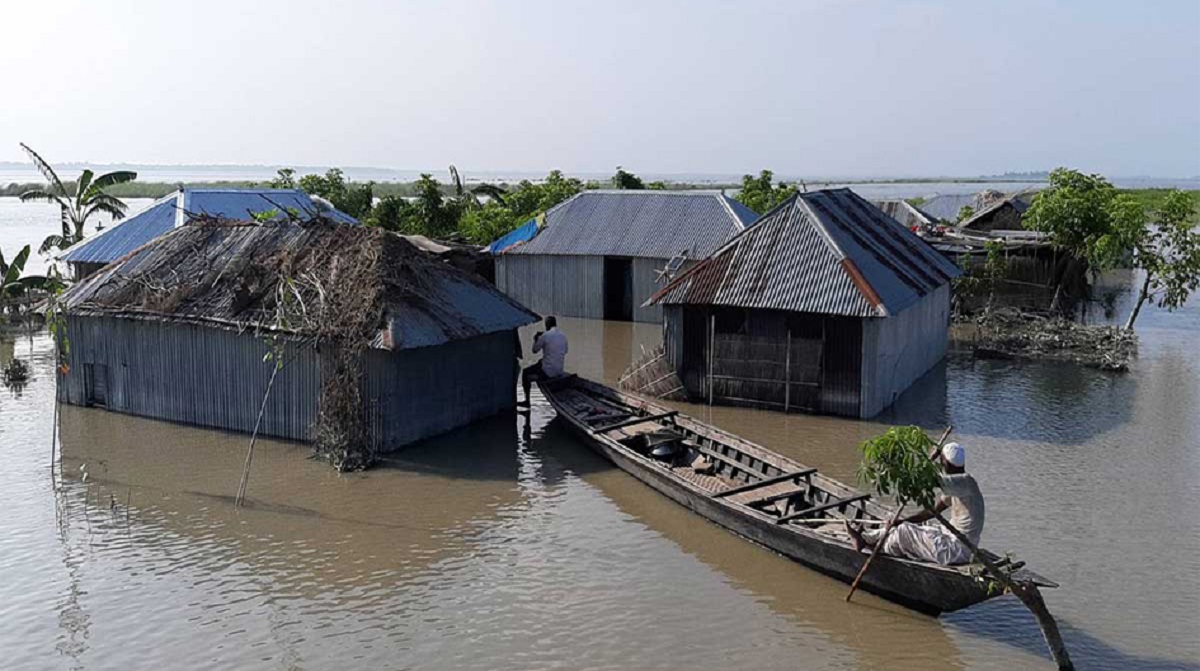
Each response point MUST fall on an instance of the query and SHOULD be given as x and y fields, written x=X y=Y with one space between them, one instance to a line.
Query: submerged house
x=176 y=209
x=178 y=330
x=1000 y=216
x=601 y=254
x=825 y=305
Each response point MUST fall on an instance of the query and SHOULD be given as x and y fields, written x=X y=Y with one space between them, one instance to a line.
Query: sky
x=807 y=88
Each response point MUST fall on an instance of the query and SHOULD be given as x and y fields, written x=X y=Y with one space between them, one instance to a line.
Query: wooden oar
x=887 y=529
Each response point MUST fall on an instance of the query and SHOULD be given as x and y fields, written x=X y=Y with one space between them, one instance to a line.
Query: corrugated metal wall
x=216 y=378
x=418 y=393
x=898 y=350
x=564 y=286
x=191 y=374
x=573 y=286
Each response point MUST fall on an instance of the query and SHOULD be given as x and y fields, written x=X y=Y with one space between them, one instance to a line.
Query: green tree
x=760 y=195
x=657 y=186
x=964 y=213
x=626 y=180
x=353 y=199
x=1168 y=252
x=522 y=203
x=77 y=204
x=285 y=178
x=1087 y=217
x=1076 y=210
x=391 y=213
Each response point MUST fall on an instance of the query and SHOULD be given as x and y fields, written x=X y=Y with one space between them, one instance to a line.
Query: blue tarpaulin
x=523 y=233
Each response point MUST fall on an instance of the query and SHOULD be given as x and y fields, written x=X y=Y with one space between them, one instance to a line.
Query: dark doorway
x=618 y=289
x=95 y=381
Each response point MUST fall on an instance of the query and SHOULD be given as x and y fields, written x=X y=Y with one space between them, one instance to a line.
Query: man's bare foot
x=855 y=537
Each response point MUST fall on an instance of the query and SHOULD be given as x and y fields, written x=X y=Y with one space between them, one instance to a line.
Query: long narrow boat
x=761 y=495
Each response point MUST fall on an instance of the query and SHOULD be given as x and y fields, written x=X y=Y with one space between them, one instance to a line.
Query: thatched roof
x=310 y=279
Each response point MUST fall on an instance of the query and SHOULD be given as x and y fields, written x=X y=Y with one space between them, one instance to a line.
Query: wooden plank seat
x=836 y=503
x=636 y=420
x=772 y=498
x=766 y=482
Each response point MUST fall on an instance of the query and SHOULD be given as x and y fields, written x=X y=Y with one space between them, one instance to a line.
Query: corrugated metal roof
x=121 y=238
x=825 y=251
x=946 y=207
x=172 y=211
x=225 y=274
x=646 y=224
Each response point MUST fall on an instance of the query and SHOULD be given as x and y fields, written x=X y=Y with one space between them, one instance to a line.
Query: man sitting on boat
x=553 y=346
x=923 y=538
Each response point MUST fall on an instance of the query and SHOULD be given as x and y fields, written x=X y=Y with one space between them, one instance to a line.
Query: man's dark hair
x=551 y=322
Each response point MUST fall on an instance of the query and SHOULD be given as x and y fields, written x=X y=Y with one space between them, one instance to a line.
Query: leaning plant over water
x=86 y=198
x=1167 y=251
x=899 y=463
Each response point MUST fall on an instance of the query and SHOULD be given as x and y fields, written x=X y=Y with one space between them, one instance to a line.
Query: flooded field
x=510 y=545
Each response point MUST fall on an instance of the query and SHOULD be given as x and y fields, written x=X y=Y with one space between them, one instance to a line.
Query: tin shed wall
x=565 y=286
x=418 y=393
x=190 y=374
x=899 y=349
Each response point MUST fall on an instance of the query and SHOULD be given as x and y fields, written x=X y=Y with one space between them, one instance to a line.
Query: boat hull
x=922 y=587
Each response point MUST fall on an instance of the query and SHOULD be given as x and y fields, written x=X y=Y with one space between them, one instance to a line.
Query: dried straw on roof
x=310 y=279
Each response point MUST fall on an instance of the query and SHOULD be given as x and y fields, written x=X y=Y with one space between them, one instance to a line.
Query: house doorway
x=618 y=289
x=95 y=383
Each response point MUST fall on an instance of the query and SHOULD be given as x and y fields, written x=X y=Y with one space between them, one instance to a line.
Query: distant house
x=910 y=216
x=601 y=254
x=825 y=305
x=1003 y=214
x=178 y=330
x=175 y=209
x=990 y=210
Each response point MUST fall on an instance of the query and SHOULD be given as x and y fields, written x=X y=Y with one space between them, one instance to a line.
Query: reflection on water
x=510 y=545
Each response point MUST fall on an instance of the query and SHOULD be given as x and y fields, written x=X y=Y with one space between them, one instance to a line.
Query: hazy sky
x=806 y=88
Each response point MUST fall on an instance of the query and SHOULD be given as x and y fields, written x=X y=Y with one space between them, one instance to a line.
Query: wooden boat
x=761 y=495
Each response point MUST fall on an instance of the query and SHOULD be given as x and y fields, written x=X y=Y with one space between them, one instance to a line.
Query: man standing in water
x=553 y=346
x=914 y=538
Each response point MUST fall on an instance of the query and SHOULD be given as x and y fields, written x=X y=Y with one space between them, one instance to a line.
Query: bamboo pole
x=241 y=493
x=712 y=353
x=787 y=373
x=887 y=529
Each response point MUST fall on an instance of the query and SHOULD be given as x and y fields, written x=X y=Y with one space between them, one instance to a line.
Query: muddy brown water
x=510 y=545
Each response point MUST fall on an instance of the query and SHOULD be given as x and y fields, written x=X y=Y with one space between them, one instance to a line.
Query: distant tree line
x=484 y=212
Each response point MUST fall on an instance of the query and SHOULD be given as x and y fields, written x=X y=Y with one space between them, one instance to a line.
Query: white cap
x=954 y=454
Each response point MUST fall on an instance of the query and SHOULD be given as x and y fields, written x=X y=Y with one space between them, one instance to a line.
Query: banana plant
x=12 y=284
x=77 y=204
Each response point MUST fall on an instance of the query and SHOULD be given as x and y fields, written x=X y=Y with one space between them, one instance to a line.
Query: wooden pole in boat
x=787 y=373
x=887 y=529
x=712 y=346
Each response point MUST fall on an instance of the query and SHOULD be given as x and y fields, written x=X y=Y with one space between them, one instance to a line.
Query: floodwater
x=508 y=545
